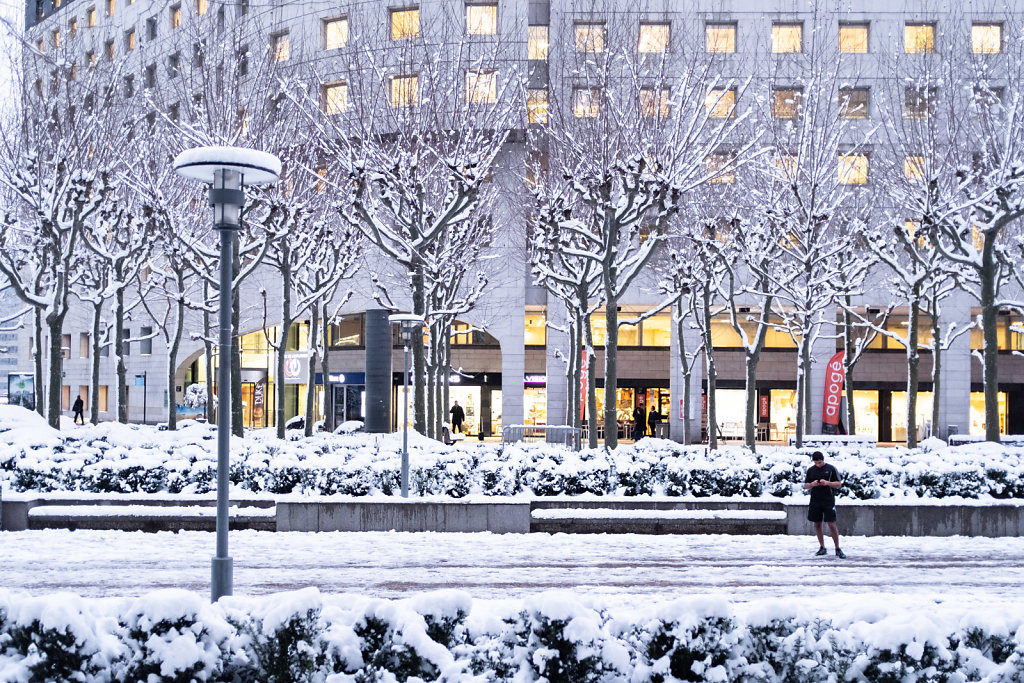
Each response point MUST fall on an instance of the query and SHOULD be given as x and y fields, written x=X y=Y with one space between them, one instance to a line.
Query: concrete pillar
x=378 y=371
x=823 y=348
x=955 y=373
x=675 y=417
x=557 y=356
x=513 y=366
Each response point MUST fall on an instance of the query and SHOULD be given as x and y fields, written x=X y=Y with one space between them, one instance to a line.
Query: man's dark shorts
x=821 y=513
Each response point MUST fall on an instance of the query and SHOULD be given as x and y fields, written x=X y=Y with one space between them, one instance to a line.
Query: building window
x=111 y=6
x=654 y=103
x=108 y=49
x=40 y=45
x=151 y=28
x=101 y=397
x=335 y=97
x=56 y=38
x=280 y=46
x=65 y=346
x=918 y=103
x=720 y=103
x=586 y=102
x=174 y=111
x=146 y=344
x=405 y=23
x=787 y=38
x=481 y=87
x=853 y=38
x=83 y=345
x=786 y=165
x=90 y=57
x=129 y=40
x=537 y=43
x=243 y=62
x=151 y=76
x=243 y=8
x=987 y=100
x=654 y=38
x=335 y=33
x=175 y=16
x=174 y=65
x=986 y=39
x=201 y=7
x=537 y=106
x=126 y=345
x=589 y=38
x=90 y=17
x=482 y=20
x=919 y=38
x=854 y=103
x=720 y=168
x=129 y=86
x=405 y=90
x=720 y=38
x=913 y=167
x=786 y=103
x=853 y=169
x=73 y=27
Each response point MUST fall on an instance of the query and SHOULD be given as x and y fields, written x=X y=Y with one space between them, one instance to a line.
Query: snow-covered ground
x=626 y=570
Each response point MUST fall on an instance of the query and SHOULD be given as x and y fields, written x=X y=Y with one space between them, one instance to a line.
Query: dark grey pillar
x=378 y=371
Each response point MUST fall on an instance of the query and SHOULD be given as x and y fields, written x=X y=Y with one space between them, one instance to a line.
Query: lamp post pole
x=227 y=169
x=408 y=324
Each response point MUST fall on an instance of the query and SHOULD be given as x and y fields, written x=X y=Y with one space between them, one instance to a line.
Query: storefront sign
x=835 y=377
x=258 y=392
x=295 y=368
x=763 y=403
x=682 y=409
x=347 y=378
x=535 y=379
x=584 y=383
x=21 y=390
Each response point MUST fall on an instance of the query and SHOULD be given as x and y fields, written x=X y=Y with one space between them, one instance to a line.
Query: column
x=557 y=354
x=378 y=372
x=822 y=350
x=676 y=383
x=955 y=373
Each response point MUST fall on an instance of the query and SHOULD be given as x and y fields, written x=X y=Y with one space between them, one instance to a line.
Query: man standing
x=653 y=420
x=78 y=407
x=458 y=417
x=822 y=481
x=639 y=423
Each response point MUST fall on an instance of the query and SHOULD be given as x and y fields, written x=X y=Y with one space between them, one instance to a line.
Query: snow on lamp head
x=228 y=170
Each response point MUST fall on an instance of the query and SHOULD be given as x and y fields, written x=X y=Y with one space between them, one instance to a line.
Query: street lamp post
x=408 y=324
x=228 y=170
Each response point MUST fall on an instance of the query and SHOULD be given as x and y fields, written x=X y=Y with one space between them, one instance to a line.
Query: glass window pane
x=853 y=38
x=987 y=39
x=404 y=91
x=586 y=103
x=657 y=331
x=589 y=37
x=481 y=20
x=654 y=103
x=854 y=103
x=535 y=328
x=335 y=33
x=720 y=38
x=405 y=23
x=537 y=43
x=786 y=103
x=787 y=38
x=853 y=169
x=654 y=38
x=481 y=87
x=720 y=104
x=537 y=106
x=335 y=98
x=918 y=38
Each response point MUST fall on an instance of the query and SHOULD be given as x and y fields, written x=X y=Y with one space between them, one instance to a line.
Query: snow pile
x=111 y=457
x=303 y=635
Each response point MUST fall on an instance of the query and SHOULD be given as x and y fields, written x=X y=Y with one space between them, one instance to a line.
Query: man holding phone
x=822 y=481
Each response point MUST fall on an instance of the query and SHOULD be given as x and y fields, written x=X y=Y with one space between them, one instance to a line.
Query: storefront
x=347 y=391
x=479 y=395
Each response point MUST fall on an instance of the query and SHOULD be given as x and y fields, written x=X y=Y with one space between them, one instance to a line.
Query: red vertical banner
x=584 y=381
x=835 y=377
x=763 y=403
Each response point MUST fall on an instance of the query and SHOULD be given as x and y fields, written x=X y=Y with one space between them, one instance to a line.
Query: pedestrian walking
x=77 y=408
x=458 y=417
x=822 y=480
x=653 y=420
x=639 y=424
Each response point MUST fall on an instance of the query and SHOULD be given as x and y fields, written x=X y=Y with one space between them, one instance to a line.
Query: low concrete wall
x=920 y=519
x=403 y=515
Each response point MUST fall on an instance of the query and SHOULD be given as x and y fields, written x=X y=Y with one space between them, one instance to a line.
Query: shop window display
x=978 y=413
x=899 y=415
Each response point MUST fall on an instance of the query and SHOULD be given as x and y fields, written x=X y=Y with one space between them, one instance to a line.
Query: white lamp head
x=254 y=167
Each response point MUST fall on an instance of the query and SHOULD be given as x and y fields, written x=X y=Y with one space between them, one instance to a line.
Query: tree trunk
x=936 y=365
x=419 y=307
x=283 y=339
x=750 y=428
x=38 y=363
x=172 y=354
x=311 y=361
x=325 y=327
x=712 y=372
x=848 y=363
x=990 y=351
x=122 y=368
x=913 y=369
x=55 y=325
x=611 y=347
x=686 y=370
x=235 y=352
x=801 y=380
x=590 y=359
x=94 y=378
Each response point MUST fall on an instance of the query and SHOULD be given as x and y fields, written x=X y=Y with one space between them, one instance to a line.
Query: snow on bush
x=446 y=636
x=129 y=458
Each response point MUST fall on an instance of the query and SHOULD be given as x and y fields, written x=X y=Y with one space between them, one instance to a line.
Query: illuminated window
x=482 y=20
x=720 y=38
x=90 y=17
x=786 y=103
x=853 y=169
x=175 y=16
x=537 y=43
x=918 y=103
x=787 y=38
x=537 y=106
x=654 y=38
x=111 y=6
x=281 y=46
x=913 y=167
x=854 y=103
x=335 y=97
x=129 y=40
x=56 y=38
x=405 y=90
x=720 y=103
x=720 y=168
x=987 y=39
x=243 y=121
x=481 y=87
x=74 y=72
x=405 y=23
x=201 y=6
x=90 y=57
x=40 y=45
x=656 y=331
x=586 y=102
x=589 y=37
x=918 y=38
x=853 y=38
x=335 y=33
x=786 y=165
x=536 y=328
x=654 y=103
x=73 y=27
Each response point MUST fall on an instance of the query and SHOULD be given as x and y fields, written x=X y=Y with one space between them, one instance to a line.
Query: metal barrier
x=563 y=434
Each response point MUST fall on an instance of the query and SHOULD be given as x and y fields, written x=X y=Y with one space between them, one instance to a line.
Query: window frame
x=393 y=12
x=777 y=43
x=394 y=80
x=929 y=46
x=666 y=46
x=711 y=107
x=590 y=109
x=710 y=26
x=797 y=96
x=325 y=31
x=854 y=25
x=481 y=5
x=278 y=40
x=844 y=109
x=987 y=24
x=590 y=26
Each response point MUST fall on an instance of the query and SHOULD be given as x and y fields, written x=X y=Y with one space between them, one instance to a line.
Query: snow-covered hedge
x=175 y=635
x=119 y=458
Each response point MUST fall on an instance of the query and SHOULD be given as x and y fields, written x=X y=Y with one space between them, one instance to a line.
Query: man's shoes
x=821 y=551
x=840 y=554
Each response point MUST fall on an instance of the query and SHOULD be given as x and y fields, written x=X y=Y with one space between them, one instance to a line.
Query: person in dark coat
x=653 y=420
x=77 y=408
x=639 y=423
x=458 y=417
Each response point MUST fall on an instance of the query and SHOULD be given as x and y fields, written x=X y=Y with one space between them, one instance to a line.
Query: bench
x=570 y=436
x=826 y=440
